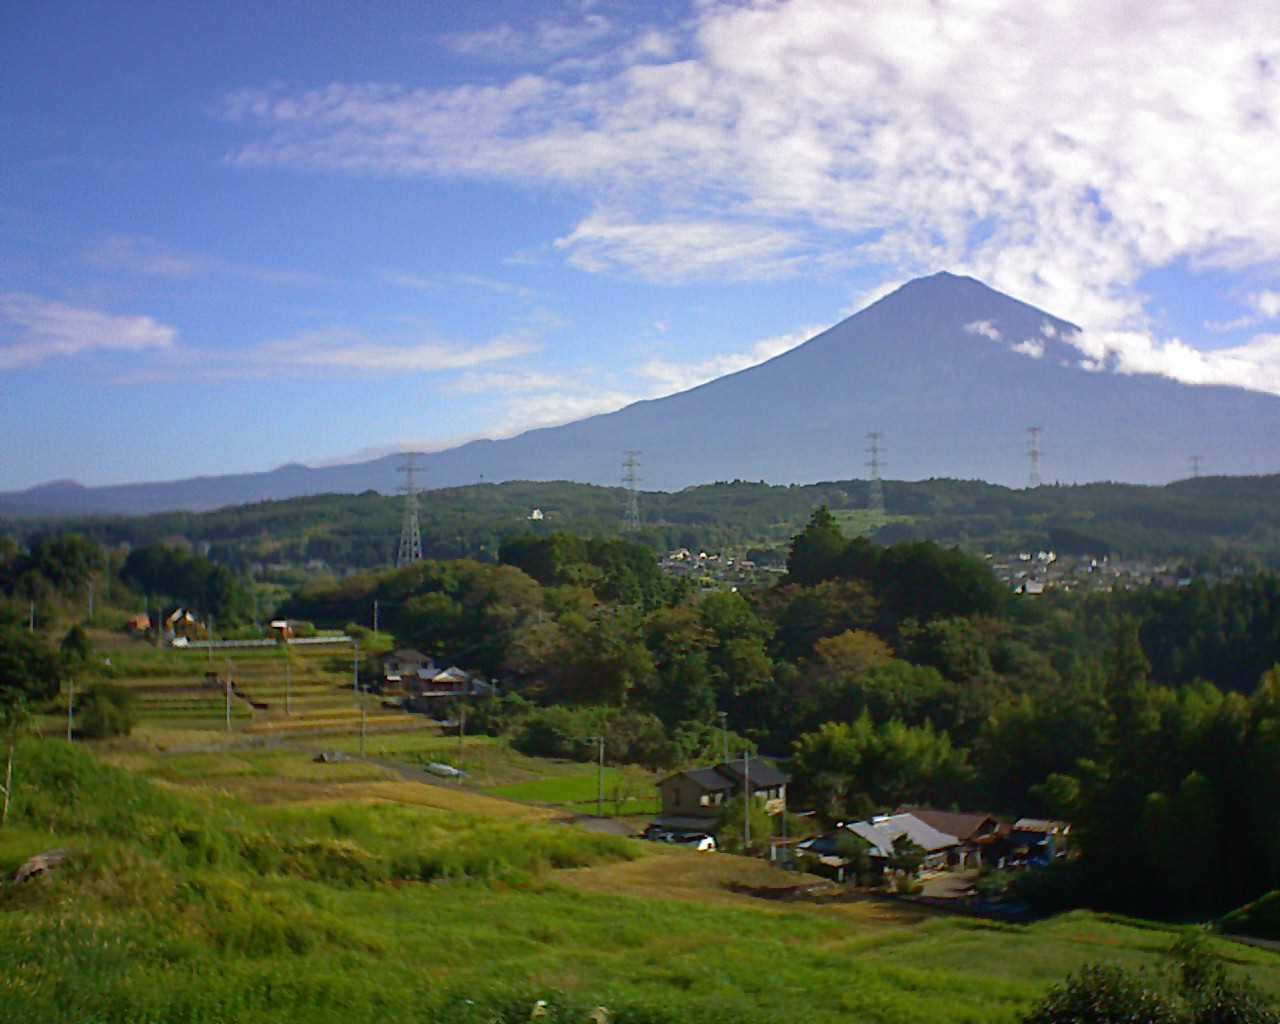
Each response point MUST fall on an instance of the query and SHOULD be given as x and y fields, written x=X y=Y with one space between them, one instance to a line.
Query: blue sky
x=238 y=235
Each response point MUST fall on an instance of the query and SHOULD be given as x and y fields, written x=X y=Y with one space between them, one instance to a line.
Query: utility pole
x=600 y=782
x=364 y=723
x=599 y=741
x=228 y=689
x=875 y=499
x=91 y=600
x=462 y=730
x=31 y=618
x=71 y=699
x=1195 y=461
x=288 y=683
x=375 y=615
x=1034 y=452
x=631 y=512
x=210 y=647
x=355 y=667
x=724 y=734
x=746 y=800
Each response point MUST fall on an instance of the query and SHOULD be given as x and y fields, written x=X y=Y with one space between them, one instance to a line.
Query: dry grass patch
x=725 y=880
x=448 y=798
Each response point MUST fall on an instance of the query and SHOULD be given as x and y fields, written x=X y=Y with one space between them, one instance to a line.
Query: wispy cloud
x=350 y=350
x=419 y=282
x=678 y=251
x=986 y=136
x=508 y=43
x=668 y=376
x=532 y=399
x=331 y=352
x=1264 y=306
x=34 y=329
x=985 y=328
x=151 y=258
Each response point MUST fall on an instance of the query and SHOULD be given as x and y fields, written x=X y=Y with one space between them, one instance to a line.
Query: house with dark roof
x=404 y=667
x=692 y=799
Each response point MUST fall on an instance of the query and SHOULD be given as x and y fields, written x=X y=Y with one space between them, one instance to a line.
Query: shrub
x=105 y=711
x=1199 y=992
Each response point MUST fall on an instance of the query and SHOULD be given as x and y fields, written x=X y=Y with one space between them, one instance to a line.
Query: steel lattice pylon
x=410 y=550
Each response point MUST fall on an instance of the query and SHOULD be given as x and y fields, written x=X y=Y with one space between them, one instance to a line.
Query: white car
x=447 y=771
x=698 y=840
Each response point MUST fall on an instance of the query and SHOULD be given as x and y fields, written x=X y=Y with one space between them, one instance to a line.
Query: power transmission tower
x=1195 y=461
x=631 y=511
x=1034 y=452
x=410 y=538
x=875 y=499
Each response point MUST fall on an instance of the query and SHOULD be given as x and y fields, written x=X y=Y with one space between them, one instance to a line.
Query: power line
x=1034 y=452
x=875 y=499
x=631 y=509
x=410 y=550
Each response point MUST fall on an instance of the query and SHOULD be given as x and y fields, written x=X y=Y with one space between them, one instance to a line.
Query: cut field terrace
x=281 y=691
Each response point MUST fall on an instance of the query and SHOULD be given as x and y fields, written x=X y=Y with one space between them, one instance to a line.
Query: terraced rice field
x=277 y=691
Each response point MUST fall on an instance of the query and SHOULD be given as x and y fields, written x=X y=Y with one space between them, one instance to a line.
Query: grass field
x=626 y=791
x=220 y=876
x=366 y=899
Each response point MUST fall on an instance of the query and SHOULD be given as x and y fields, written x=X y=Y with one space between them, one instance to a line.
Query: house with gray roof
x=692 y=799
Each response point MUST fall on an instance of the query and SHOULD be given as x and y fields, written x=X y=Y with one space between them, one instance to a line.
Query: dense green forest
x=1209 y=521
x=886 y=673
x=895 y=674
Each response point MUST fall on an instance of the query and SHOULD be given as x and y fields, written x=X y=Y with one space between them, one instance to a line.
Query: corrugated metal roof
x=882 y=832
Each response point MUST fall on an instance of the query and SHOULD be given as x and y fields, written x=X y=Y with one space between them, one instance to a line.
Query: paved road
x=606 y=826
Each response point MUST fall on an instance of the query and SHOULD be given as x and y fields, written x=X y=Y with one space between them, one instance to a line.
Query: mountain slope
x=949 y=370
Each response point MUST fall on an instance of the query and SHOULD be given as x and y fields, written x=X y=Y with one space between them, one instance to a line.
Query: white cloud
x=985 y=328
x=529 y=45
x=1267 y=304
x=349 y=350
x=1033 y=347
x=36 y=329
x=666 y=376
x=1056 y=151
x=508 y=383
x=678 y=251
x=330 y=352
x=1254 y=365
x=152 y=258
x=554 y=407
x=431 y=284
x=529 y=400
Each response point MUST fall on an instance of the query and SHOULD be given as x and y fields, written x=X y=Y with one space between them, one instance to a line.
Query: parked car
x=697 y=840
x=447 y=771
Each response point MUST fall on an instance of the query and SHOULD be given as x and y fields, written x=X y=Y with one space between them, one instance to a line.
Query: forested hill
x=1228 y=519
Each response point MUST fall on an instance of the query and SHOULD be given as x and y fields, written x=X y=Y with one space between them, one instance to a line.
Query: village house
x=880 y=833
x=404 y=667
x=1037 y=841
x=182 y=622
x=415 y=674
x=692 y=800
x=979 y=836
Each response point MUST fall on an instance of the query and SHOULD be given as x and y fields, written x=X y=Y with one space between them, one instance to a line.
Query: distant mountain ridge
x=950 y=371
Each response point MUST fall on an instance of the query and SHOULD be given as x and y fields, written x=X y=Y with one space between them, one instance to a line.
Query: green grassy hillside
x=378 y=901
